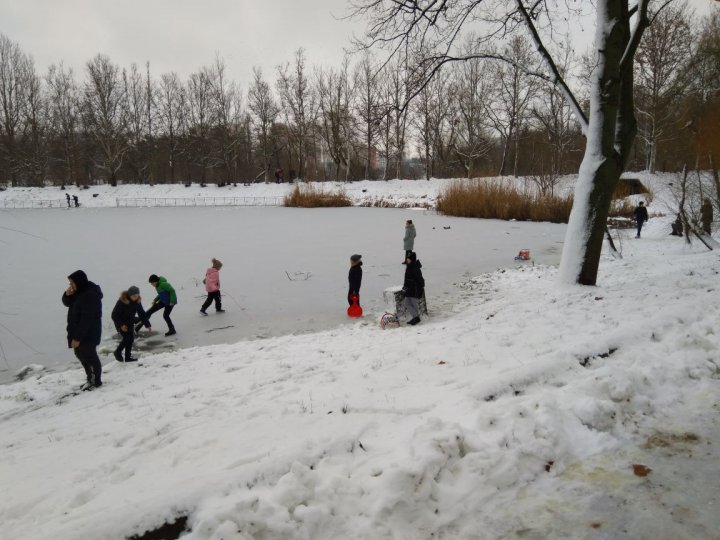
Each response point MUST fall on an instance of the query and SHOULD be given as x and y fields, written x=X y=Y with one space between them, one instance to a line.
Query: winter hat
x=409 y=222
x=412 y=256
x=133 y=290
x=79 y=278
x=153 y=278
x=355 y=258
x=216 y=264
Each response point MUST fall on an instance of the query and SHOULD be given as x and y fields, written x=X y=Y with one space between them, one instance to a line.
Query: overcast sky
x=183 y=35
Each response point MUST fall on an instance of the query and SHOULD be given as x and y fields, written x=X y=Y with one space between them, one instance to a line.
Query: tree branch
x=557 y=78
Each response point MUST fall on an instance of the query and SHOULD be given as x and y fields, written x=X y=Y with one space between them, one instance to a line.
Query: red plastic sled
x=354 y=310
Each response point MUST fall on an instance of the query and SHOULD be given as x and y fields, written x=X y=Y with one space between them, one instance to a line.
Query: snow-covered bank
x=400 y=193
x=391 y=193
x=521 y=415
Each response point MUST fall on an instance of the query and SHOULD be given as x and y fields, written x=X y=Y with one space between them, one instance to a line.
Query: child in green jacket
x=165 y=300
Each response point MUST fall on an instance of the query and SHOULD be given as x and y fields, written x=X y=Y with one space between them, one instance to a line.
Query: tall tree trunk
x=611 y=132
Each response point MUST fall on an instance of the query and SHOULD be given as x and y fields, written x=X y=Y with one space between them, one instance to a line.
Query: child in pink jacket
x=212 y=286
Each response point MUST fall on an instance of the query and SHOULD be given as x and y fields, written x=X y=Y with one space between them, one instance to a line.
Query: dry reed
x=494 y=200
x=311 y=197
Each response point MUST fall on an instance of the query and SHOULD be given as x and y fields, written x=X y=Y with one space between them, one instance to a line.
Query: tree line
x=361 y=119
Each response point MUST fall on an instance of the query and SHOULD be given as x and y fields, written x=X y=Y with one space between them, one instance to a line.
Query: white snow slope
x=520 y=415
x=527 y=410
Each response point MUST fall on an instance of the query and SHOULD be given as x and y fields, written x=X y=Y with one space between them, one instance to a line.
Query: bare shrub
x=494 y=200
x=312 y=197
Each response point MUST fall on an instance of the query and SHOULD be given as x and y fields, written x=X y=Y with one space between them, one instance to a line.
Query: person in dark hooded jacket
x=413 y=286
x=354 y=278
x=128 y=312
x=83 y=299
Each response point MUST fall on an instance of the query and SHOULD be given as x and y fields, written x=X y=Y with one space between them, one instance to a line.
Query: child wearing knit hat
x=212 y=286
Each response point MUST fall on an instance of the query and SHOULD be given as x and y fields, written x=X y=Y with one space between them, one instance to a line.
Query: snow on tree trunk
x=610 y=134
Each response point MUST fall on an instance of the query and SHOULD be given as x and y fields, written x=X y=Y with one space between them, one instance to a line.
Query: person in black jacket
x=354 y=278
x=413 y=286
x=84 y=325
x=641 y=216
x=127 y=312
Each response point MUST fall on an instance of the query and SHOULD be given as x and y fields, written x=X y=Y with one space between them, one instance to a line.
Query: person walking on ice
x=127 y=312
x=413 y=287
x=67 y=198
x=409 y=238
x=641 y=216
x=165 y=300
x=83 y=298
x=212 y=286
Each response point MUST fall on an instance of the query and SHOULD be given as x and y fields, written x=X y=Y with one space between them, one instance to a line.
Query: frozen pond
x=260 y=248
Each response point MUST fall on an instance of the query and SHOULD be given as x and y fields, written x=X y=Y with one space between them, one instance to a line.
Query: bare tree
x=297 y=101
x=335 y=119
x=13 y=82
x=434 y=121
x=64 y=118
x=171 y=102
x=400 y=88
x=433 y=29
x=36 y=155
x=471 y=93
x=514 y=91
x=554 y=117
x=227 y=131
x=105 y=114
x=663 y=71
x=200 y=121
x=139 y=100
x=368 y=108
x=264 y=111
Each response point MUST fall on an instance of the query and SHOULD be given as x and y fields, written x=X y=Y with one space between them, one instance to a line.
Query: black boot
x=117 y=355
x=414 y=321
x=170 y=332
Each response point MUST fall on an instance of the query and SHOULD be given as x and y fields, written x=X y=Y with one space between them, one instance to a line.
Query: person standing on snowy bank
x=128 y=312
x=212 y=286
x=165 y=300
x=641 y=216
x=706 y=216
x=84 y=325
x=409 y=238
x=354 y=278
x=413 y=286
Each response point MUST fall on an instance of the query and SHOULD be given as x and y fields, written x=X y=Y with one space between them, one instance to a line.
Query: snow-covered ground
x=522 y=410
x=366 y=193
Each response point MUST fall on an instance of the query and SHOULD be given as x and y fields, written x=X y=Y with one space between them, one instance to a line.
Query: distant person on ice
x=413 y=286
x=706 y=216
x=128 y=312
x=67 y=197
x=212 y=286
x=165 y=300
x=77 y=201
x=409 y=238
x=84 y=325
x=354 y=278
x=641 y=216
